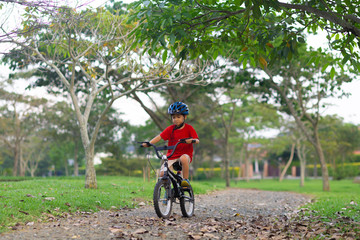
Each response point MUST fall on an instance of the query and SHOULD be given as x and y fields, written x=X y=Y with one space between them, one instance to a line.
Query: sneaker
x=185 y=183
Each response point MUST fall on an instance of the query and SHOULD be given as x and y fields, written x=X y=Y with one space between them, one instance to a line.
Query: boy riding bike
x=184 y=152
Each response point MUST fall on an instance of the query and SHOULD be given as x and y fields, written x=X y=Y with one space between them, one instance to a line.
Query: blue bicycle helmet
x=178 y=108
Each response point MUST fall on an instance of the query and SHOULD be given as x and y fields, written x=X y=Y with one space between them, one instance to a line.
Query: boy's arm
x=153 y=141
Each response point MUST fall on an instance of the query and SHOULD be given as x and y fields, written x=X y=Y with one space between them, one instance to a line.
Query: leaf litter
x=220 y=217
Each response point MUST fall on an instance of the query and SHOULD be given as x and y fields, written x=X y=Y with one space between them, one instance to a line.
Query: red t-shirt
x=173 y=136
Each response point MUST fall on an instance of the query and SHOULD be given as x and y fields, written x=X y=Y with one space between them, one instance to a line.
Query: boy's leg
x=185 y=162
x=170 y=163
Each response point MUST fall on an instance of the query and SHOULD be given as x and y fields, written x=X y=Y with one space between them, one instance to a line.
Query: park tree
x=342 y=139
x=225 y=114
x=238 y=116
x=302 y=147
x=300 y=88
x=256 y=117
x=286 y=140
x=63 y=130
x=93 y=59
x=302 y=150
x=11 y=11
x=19 y=119
x=34 y=152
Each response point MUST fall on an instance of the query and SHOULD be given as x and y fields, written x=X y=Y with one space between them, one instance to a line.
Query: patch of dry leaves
x=296 y=227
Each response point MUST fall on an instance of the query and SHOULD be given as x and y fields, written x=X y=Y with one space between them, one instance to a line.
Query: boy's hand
x=191 y=140
x=145 y=145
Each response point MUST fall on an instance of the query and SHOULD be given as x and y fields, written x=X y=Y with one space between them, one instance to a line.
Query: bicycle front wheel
x=162 y=199
x=187 y=203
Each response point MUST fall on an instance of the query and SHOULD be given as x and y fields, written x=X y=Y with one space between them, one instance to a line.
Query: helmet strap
x=181 y=125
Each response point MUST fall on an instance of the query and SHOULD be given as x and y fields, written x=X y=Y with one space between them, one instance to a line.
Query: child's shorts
x=175 y=164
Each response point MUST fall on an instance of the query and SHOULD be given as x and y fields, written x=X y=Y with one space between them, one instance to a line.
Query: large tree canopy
x=208 y=27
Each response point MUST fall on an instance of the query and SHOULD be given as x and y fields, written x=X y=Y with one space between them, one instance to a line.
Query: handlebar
x=157 y=149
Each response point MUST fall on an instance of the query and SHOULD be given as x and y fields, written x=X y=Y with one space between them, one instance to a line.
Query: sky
x=345 y=108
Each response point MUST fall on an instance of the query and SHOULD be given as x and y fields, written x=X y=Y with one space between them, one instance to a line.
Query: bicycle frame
x=171 y=185
x=174 y=178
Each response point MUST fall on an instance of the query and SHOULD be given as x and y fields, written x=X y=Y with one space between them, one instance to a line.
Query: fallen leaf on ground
x=210 y=236
x=140 y=231
x=195 y=236
x=116 y=230
x=49 y=198
x=26 y=213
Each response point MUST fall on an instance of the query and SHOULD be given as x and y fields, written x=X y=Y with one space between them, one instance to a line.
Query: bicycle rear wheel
x=187 y=203
x=162 y=199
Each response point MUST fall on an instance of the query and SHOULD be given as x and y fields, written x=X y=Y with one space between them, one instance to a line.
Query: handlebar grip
x=183 y=140
x=147 y=143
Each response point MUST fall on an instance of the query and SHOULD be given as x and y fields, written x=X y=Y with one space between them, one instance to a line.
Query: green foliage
x=339 y=142
x=123 y=166
x=264 y=30
x=189 y=32
x=344 y=171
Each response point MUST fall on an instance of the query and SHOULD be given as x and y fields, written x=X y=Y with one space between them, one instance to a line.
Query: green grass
x=343 y=198
x=24 y=200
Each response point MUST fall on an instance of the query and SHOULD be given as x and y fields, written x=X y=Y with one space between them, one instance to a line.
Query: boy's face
x=178 y=119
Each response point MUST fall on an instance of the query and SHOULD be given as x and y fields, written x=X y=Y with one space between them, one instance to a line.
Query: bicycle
x=168 y=187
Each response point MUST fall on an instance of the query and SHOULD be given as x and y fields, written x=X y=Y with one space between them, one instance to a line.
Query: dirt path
x=227 y=214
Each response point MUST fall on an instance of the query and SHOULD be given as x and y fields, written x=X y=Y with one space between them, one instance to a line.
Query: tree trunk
x=226 y=163
x=16 y=160
x=66 y=167
x=302 y=172
x=246 y=160
x=22 y=162
x=76 y=164
x=90 y=176
x=288 y=163
x=324 y=169
x=34 y=168
x=302 y=157
x=212 y=166
x=315 y=171
x=241 y=161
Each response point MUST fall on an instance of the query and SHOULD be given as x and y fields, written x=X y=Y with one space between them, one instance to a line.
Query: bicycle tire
x=187 y=203
x=162 y=199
